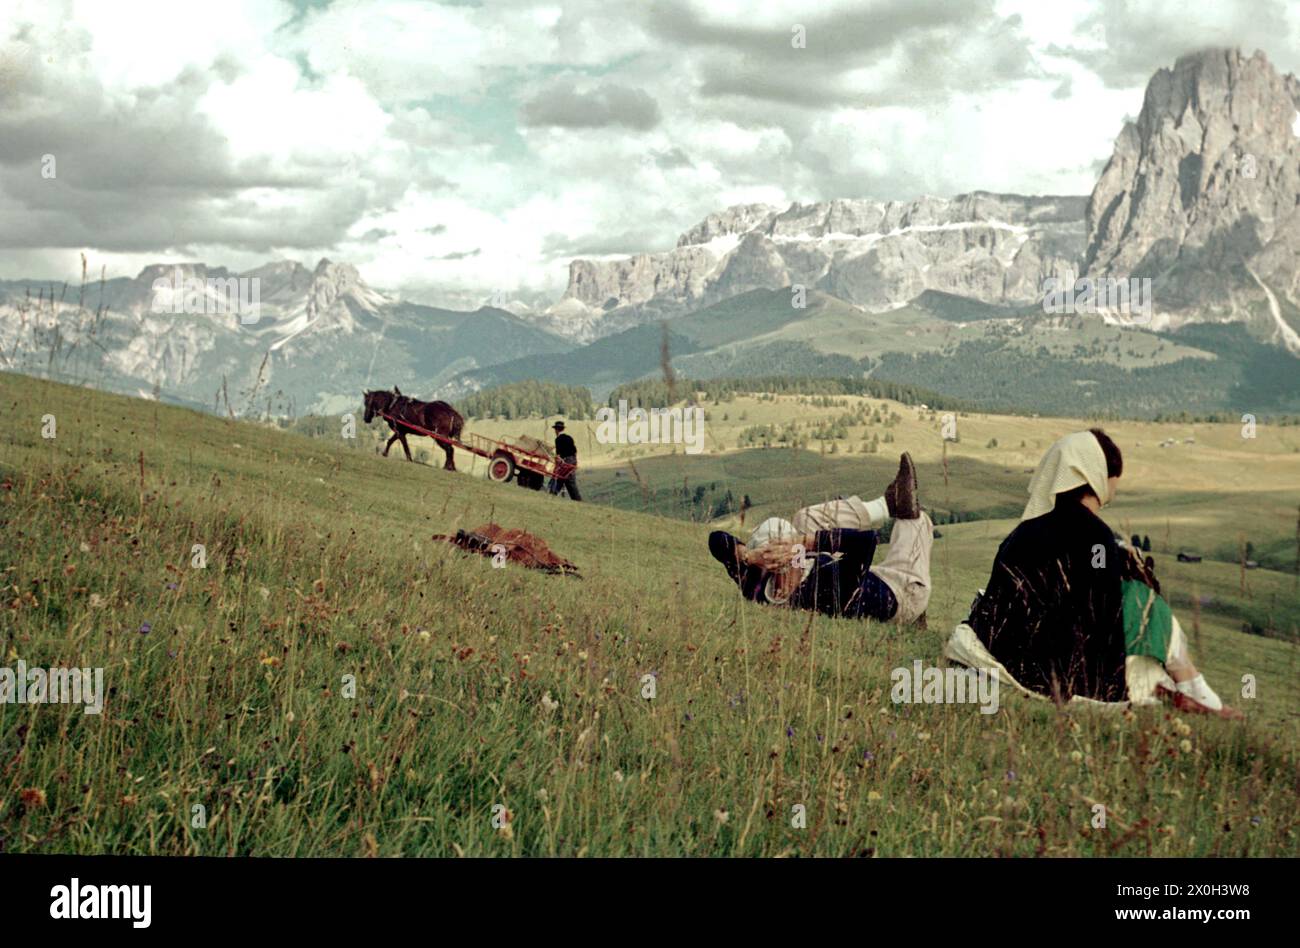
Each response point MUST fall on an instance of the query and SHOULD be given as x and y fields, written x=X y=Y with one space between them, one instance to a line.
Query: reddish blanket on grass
x=521 y=547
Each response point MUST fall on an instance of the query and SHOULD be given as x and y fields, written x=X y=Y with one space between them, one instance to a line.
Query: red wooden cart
x=505 y=460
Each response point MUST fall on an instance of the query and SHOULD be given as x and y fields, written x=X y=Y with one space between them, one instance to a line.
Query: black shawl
x=1053 y=611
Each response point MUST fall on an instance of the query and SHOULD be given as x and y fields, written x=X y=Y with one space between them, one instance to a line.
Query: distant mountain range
x=1201 y=197
x=320 y=337
x=995 y=248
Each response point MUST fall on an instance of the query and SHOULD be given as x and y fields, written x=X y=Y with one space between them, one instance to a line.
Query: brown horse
x=438 y=417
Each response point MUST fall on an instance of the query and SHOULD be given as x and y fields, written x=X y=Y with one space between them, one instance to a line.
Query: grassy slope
x=935 y=322
x=1202 y=496
x=320 y=566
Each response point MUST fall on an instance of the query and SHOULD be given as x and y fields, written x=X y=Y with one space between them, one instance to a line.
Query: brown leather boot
x=900 y=495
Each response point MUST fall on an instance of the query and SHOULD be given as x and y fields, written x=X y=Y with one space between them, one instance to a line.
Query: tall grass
x=500 y=711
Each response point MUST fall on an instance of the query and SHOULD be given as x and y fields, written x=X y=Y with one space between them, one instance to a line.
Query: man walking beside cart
x=567 y=451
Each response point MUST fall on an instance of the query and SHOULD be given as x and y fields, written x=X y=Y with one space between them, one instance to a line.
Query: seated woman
x=1068 y=613
x=822 y=559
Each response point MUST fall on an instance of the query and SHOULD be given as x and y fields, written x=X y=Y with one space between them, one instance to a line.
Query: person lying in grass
x=1070 y=613
x=821 y=559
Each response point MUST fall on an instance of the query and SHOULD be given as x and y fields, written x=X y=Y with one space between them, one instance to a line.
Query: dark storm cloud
x=561 y=105
x=143 y=172
x=851 y=34
x=921 y=50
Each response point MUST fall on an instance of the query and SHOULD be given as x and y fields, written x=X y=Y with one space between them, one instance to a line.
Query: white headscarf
x=773 y=528
x=1074 y=460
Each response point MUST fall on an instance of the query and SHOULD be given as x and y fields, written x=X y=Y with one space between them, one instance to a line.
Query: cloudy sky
x=452 y=150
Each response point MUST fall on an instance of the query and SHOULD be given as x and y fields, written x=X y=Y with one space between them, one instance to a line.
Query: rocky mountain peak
x=737 y=219
x=332 y=286
x=1201 y=191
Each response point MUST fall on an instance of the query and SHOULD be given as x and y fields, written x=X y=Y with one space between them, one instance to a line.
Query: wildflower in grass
x=1186 y=746
x=618 y=776
x=97 y=601
x=1011 y=776
x=145 y=628
x=874 y=795
x=867 y=755
x=1076 y=756
x=549 y=704
x=33 y=797
x=840 y=784
x=789 y=731
x=171 y=585
x=721 y=816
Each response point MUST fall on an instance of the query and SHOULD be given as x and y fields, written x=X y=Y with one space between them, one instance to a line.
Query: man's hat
x=558 y=426
x=772 y=529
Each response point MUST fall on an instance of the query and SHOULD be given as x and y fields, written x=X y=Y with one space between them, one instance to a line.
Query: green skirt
x=1148 y=621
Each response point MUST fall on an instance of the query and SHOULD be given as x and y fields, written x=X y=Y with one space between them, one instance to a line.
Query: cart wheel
x=501 y=468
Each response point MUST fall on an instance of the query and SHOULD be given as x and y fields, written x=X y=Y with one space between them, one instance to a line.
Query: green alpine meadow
x=292 y=666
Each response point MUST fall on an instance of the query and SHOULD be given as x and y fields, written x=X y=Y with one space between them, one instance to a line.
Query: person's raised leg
x=851 y=513
x=906 y=567
x=854 y=513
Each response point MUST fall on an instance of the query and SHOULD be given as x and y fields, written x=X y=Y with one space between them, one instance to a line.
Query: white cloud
x=392 y=132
